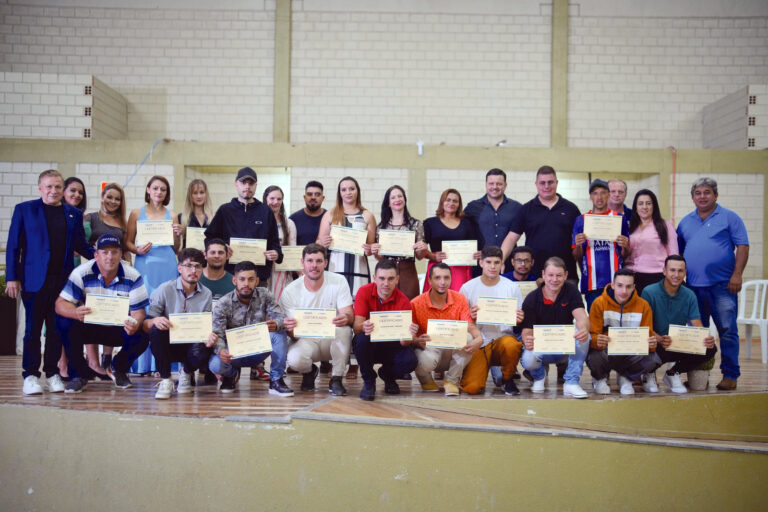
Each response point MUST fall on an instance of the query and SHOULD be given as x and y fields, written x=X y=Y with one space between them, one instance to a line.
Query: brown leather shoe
x=726 y=384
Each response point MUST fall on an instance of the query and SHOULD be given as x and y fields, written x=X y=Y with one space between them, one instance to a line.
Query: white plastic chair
x=754 y=314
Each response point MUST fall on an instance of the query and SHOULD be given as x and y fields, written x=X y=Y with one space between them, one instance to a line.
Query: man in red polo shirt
x=396 y=357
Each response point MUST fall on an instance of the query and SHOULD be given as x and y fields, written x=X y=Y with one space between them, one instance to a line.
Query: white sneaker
x=54 y=384
x=164 y=389
x=538 y=386
x=601 y=387
x=574 y=391
x=32 y=386
x=185 y=382
x=674 y=383
x=649 y=383
x=625 y=386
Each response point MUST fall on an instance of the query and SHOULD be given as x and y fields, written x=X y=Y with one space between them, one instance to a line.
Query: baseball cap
x=107 y=240
x=246 y=173
x=598 y=183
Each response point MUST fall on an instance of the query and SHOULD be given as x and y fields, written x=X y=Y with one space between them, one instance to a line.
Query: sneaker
x=674 y=383
x=430 y=387
x=336 y=388
x=308 y=379
x=574 y=391
x=54 y=384
x=75 y=385
x=279 y=388
x=164 y=389
x=727 y=384
x=259 y=373
x=227 y=385
x=510 y=388
x=625 y=386
x=120 y=379
x=210 y=379
x=32 y=386
x=390 y=385
x=528 y=376
x=451 y=389
x=649 y=383
x=185 y=382
x=368 y=393
x=601 y=386
x=538 y=386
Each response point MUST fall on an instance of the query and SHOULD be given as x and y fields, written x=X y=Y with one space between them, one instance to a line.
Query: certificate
x=451 y=334
x=602 y=227
x=248 y=340
x=526 y=287
x=291 y=258
x=688 y=339
x=196 y=238
x=496 y=311
x=396 y=243
x=314 y=323
x=348 y=240
x=628 y=341
x=460 y=252
x=190 y=327
x=158 y=232
x=106 y=309
x=248 y=249
x=391 y=325
x=554 y=339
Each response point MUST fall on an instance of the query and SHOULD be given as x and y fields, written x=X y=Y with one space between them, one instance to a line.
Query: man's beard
x=245 y=296
x=313 y=207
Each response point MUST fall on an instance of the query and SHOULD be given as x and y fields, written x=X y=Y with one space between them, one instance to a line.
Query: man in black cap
x=247 y=217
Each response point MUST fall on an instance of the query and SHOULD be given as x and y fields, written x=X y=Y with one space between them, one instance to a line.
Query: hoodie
x=606 y=312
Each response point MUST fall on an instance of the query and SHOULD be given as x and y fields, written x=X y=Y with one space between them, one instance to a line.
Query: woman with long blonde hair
x=198 y=211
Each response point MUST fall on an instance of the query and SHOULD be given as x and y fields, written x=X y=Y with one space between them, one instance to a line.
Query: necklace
x=106 y=213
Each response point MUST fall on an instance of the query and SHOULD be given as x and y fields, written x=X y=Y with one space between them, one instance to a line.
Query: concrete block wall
x=94 y=174
x=18 y=182
x=110 y=113
x=44 y=105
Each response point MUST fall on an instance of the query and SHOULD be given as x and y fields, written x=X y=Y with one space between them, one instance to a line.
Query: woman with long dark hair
x=286 y=231
x=652 y=239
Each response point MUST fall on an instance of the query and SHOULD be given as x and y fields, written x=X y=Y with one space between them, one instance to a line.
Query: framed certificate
x=628 y=341
x=190 y=327
x=448 y=334
x=396 y=243
x=291 y=258
x=602 y=227
x=391 y=325
x=106 y=309
x=459 y=252
x=348 y=240
x=496 y=311
x=554 y=339
x=314 y=323
x=196 y=238
x=689 y=340
x=158 y=232
x=249 y=340
x=526 y=287
x=248 y=249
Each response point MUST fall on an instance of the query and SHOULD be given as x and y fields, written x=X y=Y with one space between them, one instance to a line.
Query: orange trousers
x=504 y=352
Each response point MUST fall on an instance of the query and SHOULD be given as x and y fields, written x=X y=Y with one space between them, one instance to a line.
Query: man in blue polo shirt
x=107 y=275
x=707 y=238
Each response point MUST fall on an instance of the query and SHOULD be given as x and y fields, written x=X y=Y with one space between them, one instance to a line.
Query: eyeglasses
x=525 y=261
x=193 y=266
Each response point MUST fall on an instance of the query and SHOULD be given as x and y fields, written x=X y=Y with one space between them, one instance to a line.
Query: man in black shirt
x=308 y=219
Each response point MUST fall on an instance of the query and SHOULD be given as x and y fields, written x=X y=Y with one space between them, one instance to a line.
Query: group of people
x=651 y=275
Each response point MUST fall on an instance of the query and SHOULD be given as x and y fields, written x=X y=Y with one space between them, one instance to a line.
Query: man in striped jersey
x=106 y=275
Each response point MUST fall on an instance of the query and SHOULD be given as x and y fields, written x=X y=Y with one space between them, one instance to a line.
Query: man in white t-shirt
x=500 y=347
x=326 y=290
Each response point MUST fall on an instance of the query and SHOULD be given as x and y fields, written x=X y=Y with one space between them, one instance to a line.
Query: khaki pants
x=443 y=360
x=305 y=351
x=504 y=352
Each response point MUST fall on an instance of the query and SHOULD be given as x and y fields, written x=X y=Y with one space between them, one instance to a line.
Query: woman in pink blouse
x=652 y=239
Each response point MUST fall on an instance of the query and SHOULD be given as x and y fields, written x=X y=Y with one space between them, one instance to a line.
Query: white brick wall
x=642 y=82
x=189 y=74
x=420 y=71
x=18 y=182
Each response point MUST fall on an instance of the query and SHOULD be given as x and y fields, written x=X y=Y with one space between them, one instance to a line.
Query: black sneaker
x=390 y=385
x=368 y=393
x=528 y=375
x=325 y=367
x=336 y=388
x=510 y=388
x=516 y=376
x=308 y=379
x=120 y=379
x=227 y=385
x=76 y=385
x=210 y=379
x=278 y=387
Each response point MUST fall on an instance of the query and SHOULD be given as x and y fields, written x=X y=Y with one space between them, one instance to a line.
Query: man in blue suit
x=42 y=240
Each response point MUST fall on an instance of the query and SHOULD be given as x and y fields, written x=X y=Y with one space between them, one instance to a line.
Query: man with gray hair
x=707 y=238
x=618 y=194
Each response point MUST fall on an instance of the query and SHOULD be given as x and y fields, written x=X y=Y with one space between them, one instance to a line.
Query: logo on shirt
x=257 y=222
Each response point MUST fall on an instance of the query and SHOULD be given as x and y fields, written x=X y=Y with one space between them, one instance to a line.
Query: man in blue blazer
x=42 y=240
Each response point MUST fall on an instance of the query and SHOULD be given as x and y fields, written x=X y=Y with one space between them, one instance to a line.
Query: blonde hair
x=189 y=206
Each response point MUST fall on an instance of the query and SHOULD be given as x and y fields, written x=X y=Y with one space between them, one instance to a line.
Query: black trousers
x=192 y=356
x=39 y=309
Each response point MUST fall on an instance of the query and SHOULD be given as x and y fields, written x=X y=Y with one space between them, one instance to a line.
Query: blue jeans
x=536 y=363
x=722 y=305
x=276 y=369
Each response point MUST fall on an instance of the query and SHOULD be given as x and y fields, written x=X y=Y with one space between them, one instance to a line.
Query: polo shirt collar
x=503 y=201
x=375 y=295
x=97 y=272
x=718 y=209
x=180 y=287
x=448 y=301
